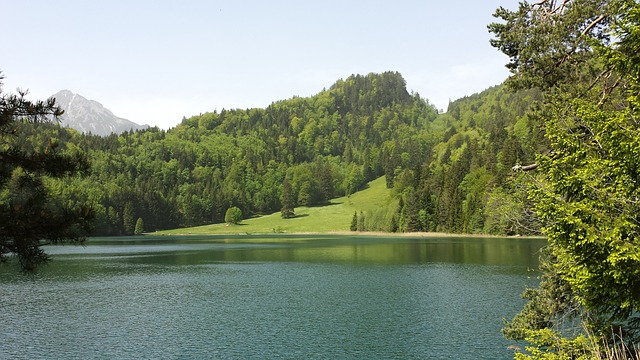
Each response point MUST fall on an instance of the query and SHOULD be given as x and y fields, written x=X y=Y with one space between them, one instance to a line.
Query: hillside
x=333 y=217
x=446 y=172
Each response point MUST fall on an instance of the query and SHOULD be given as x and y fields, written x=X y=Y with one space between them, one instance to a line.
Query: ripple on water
x=144 y=305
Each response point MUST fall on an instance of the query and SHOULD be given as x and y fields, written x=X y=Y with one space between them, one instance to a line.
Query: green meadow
x=334 y=217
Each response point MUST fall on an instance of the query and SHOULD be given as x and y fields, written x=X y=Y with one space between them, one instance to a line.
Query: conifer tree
x=288 y=204
x=354 y=222
x=411 y=211
x=396 y=218
x=128 y=218
x=361 y=226
x=30 y=215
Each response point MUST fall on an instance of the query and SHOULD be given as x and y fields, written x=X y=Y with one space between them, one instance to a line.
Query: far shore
x=331 y=219
x=355 y=233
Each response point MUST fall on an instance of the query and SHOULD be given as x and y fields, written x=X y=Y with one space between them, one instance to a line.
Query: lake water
x=247 y=297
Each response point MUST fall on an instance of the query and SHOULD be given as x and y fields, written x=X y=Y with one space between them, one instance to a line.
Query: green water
x=313 y=297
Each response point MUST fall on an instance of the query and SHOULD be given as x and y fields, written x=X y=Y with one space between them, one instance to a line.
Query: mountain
x=89 y=116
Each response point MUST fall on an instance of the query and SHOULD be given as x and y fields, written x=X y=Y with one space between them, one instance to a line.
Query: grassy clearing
x=334 y=217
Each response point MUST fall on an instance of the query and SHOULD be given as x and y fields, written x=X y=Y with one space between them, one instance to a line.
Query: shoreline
x=359 y=233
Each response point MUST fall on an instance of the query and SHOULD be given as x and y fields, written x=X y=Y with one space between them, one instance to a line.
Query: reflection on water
x=265 y=297
x=190 y=250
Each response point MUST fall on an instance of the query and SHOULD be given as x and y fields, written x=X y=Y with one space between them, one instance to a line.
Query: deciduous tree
x=139 y=227
x=233 y=215
x=585 y=56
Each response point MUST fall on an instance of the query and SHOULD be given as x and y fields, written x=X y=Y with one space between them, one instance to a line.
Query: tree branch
x=525 y=168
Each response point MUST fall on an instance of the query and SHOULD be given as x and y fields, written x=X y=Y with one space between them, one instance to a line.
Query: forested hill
x=352 y=117
x=449 y=172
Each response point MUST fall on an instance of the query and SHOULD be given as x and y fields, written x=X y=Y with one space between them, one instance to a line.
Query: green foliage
x=549 y=344
x=31 y=213
x=361 y=221
x=128 y=219
x=354 y=222
x=233 y=215
x=333 y=217
x=139 y=227
x=288 y=204
x=584 y=55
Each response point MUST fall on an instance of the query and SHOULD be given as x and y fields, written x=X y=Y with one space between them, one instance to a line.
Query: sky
x=155 y=62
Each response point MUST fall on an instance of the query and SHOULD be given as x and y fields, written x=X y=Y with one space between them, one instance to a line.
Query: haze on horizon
x=157 y=62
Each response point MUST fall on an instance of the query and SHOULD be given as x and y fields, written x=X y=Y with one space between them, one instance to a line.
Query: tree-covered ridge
x=449 y=172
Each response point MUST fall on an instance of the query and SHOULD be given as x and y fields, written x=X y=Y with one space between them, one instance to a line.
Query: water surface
x=249 y=297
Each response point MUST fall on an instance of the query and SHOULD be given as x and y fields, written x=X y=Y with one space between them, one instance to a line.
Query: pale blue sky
x=154 y=62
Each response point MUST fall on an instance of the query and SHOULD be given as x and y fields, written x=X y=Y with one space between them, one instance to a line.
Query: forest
x=450 y=172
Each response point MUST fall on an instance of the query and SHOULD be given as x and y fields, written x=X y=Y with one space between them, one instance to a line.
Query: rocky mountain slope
x=89 y=116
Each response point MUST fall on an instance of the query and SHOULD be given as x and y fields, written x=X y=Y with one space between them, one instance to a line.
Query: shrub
x=233 y=215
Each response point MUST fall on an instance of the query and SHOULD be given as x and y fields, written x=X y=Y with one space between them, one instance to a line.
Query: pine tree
x=411 y=211
x=128 y=218
x=288 y=204
x=361 y=223
x=29 y=213
x=396 y=219
x=354 y=222
x=325 y=181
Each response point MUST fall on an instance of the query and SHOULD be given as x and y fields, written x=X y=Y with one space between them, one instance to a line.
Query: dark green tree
x=354 y=222
x=325 y=181
x=361 y=221
x=367 y=170
x=113 y=219
x=128 y=218
x=411 y=211
x=30 y=215
x=396 y=219
x=391 y=163
x=288 y=203
x=305 y=195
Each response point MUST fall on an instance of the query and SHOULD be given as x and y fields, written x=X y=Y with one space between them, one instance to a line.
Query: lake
x=280 y=296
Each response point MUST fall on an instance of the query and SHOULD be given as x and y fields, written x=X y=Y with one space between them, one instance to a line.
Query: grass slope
x=321 y=219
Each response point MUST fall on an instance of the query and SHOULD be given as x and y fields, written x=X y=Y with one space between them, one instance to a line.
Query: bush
x=233 y=215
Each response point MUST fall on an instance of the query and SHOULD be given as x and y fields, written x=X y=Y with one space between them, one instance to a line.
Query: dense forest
x=450 y=172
